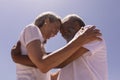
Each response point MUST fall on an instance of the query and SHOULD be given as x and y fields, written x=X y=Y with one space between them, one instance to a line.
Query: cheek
x=50 y=31
x=56 y=30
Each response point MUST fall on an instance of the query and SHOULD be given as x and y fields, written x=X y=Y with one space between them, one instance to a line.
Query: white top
x=30 y=33
x=91 y=66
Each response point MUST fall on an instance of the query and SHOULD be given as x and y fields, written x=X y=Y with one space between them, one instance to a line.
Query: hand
x=17 y=57
x=91 y=34
x=95 y=33
x=16 y=50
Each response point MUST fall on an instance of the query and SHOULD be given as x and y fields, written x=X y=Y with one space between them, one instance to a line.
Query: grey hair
x=40 y=19
x=74 y=17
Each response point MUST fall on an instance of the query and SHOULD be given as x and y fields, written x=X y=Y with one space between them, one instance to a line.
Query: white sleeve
x=31 y=33
x=93 y=46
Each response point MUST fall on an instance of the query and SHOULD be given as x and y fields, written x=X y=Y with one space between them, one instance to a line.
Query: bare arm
x=17 y=56
x=75 y=56
x=57 y=57
x=49 y=61
x=23 y=59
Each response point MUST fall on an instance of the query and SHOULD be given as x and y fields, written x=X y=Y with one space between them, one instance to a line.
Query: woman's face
x=52 y=29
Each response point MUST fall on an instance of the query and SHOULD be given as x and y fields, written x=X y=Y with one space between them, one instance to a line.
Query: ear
x=46 y=23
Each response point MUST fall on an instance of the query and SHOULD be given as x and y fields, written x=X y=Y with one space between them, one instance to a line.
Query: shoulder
x=31 y=30
x=31 y=27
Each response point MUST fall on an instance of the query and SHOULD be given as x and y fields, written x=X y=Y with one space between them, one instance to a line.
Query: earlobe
x=46 y=23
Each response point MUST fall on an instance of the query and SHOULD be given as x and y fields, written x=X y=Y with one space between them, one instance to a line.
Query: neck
x=43 y=35
x=43 y=32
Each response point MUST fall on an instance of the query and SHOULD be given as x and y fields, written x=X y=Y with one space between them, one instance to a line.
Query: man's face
x=69 y=29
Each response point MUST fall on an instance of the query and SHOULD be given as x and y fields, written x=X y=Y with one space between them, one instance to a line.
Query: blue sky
x=15 y=14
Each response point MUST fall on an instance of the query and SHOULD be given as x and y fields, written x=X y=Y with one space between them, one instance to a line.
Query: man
x=92 y=64
x=69 y=49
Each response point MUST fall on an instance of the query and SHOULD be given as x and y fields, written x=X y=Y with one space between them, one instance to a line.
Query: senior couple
x=84 y=56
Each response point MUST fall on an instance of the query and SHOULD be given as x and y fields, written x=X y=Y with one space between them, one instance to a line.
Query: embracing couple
x=84 y=56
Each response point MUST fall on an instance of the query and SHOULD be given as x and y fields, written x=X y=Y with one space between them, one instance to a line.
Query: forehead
x=56 y=23
x=69 y=21
x=68 y=24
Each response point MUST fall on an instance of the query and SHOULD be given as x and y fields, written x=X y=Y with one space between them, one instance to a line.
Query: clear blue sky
x=15 y=14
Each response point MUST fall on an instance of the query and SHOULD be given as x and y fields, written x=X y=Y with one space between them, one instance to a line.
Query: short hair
x=40 y=19
x=74 y=17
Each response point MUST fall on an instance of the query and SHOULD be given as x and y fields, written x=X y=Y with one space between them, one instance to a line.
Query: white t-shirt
x=30 y=33
x=91 y=66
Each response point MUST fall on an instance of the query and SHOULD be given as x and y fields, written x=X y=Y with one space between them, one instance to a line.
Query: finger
x=97 y=30
x=98 y=38
x=14 y=46
x=18 y=44
x=97 y=33
x=95 y=38
x=90 y=30
x=16 y=49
